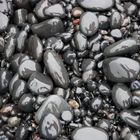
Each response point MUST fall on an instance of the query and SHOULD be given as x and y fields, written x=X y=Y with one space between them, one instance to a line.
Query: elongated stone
x=40 y=84
x=35 y=47
x=89 y=133
x=89 y=23
x=130 y=118
x=122 y=47
x=80 y=41
x=3 y=22
x=96 y=5
x=56 y=68
x=54 y=104
x=48 y=27
x=121 y=96
x=121 y=69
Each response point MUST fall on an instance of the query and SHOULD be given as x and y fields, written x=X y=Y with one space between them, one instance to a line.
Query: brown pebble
x=13 y=121
x=6 y=109
x=77 y=12
x=73 y=104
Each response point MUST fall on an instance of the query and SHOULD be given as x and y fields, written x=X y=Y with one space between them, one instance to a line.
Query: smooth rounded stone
x=104 y=89
x=89 y=133
x=136 y=101
x=69 y=57
x=126 y=130
x=20 y=16
x=96 y=5
x=56 y=68
x=52 y=26
x=91 y=85
x=76 y=81
x=12 y=30
x=4 y=22
x=31 y=18
x=131 y=136
x=116 y=20
x=96 y=103
x=19 y=88
x=130 y=8
x=121 y=69
x=3 y=6
x=39 y=8
x=56 y=10
x=89 y=23
x=17 y=59
x=77 y=11
x=22 y=132
x=5 y=78
x=27 y=68
x=103 y=22
x=135 y=85
x=122 y=47
x=88 y=64
x=25 y=103
x=121 y=96
x=10 y=47
x=54 y=43
x=50 y=127
x=80 y=41
x=54 y=104
x=2 y=44
x=130 y=118
x=35 y=47
x=12 y=82
x=21 y=40
x=88 y=75
x=13 y=121
x=59 y=91
x=104 y=124
x=40 y=84
x=116 y=33
x=22 y=3
x=67 y=116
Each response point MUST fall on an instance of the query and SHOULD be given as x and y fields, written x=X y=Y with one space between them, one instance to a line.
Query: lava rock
x=121 y=69
x=89 y=23
x=54 y=104
x=40 y=84
x=49 y=127
x=89 y=133
x=52 y=26
x=121 y=96
x=56 y=68
x=96 y=5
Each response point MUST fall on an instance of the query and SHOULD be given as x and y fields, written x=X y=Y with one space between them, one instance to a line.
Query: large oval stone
x=122 y=47
x=89 y=23
x=121 y=69
x=48 y=27
x=96 y=5
x=54 y=104
x=56 y=68
x=89 y=133
x=121 y=96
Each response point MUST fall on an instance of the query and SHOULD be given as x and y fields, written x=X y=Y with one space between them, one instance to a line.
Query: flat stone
x=89 y=133
x=48 y=27
x=121 y=69
x=96 y=5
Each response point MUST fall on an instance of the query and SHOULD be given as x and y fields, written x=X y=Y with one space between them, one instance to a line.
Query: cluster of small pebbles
x=69 y=69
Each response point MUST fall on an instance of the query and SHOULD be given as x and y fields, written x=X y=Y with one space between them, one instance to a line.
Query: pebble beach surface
x=69 y=69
